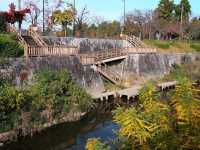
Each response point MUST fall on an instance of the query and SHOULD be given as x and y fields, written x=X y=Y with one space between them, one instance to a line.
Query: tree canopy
x=63 y=18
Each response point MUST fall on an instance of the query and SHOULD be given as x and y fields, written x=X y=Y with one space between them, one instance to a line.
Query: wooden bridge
x=35 y=46
x=133 y=92
x=112 y=55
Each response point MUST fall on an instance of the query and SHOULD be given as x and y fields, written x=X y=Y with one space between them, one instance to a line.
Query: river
x=68 y=136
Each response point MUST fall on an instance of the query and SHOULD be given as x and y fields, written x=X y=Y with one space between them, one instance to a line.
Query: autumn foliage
x=12 y=15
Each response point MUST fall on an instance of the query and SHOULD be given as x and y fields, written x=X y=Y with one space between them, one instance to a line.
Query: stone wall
x=83 y=75
x=87 y=44
x=135 y=64
x=151 y=64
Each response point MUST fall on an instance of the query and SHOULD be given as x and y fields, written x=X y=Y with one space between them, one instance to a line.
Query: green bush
x=52 y=92
x=59 y=90
x=2 y=24
x=195 y=46
x=155 y=123
x=9 y=46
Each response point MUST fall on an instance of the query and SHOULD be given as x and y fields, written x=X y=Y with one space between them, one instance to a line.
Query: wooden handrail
x=95 y=57
x=51 y=51
x=86 y=58
x=36 y=37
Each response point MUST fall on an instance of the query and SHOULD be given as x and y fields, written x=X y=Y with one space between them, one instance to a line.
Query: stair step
x=30 y=41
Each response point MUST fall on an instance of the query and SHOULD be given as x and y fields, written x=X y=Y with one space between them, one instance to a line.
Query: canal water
x=68 y=136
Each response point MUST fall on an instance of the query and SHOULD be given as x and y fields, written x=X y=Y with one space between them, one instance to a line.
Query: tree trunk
x=20 y=26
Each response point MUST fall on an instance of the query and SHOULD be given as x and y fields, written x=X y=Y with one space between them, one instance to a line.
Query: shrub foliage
x=162 y=124
x=9 y=46
x=52 y=96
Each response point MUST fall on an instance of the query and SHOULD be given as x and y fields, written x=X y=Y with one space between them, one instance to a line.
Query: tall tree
x=166 y=19
x=183 y=9
x=108 y=29
x=80 y=20
x=63 y=18
x=165 y=9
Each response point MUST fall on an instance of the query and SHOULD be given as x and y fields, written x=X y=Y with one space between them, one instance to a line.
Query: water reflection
x=68 y=136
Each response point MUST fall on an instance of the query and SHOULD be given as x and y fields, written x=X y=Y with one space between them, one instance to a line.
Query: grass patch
x=158 y=43
x=174 y=45
x=195 y=46
x=162 y=45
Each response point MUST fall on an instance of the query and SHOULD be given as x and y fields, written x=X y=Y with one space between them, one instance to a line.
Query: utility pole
x=19 y=4
x=74 y=9
x=43 y=11
x=181 y=23
x=123 y=28
x=19 y=8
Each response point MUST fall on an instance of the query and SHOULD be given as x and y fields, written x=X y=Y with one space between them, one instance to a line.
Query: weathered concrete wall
x=87 y=44
x=135 y=64
x=152 y=64
x=83 y=75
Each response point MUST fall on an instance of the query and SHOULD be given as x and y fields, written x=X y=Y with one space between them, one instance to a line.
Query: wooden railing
x=112 y=53
x=95 y=57
x=51 y=51
x=136 y=41
x=109 y=73
x=87 y=59
x=36 y=37
x=132 y=50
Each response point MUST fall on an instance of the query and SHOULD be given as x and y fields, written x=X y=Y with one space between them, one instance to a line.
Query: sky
x=113 y=9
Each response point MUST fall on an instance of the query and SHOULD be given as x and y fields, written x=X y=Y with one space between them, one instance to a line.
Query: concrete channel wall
x=87 y=77
x=152 y=64
x=83 y=75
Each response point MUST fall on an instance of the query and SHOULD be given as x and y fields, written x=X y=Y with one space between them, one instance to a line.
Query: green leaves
x=147 y=121
x=56 y=88
x=96 y=144
x=132 y=125
x=9 y=46
x=63 y=18
x=185 y=8
x=165 y=9
x=168 y=10
x=159 y=124
x=52 y=94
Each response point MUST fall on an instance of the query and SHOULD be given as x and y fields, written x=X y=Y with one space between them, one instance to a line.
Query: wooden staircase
x=34 y=46
x=135 y=41
x=109 y=74
x=30 y=41
x=37 y=37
